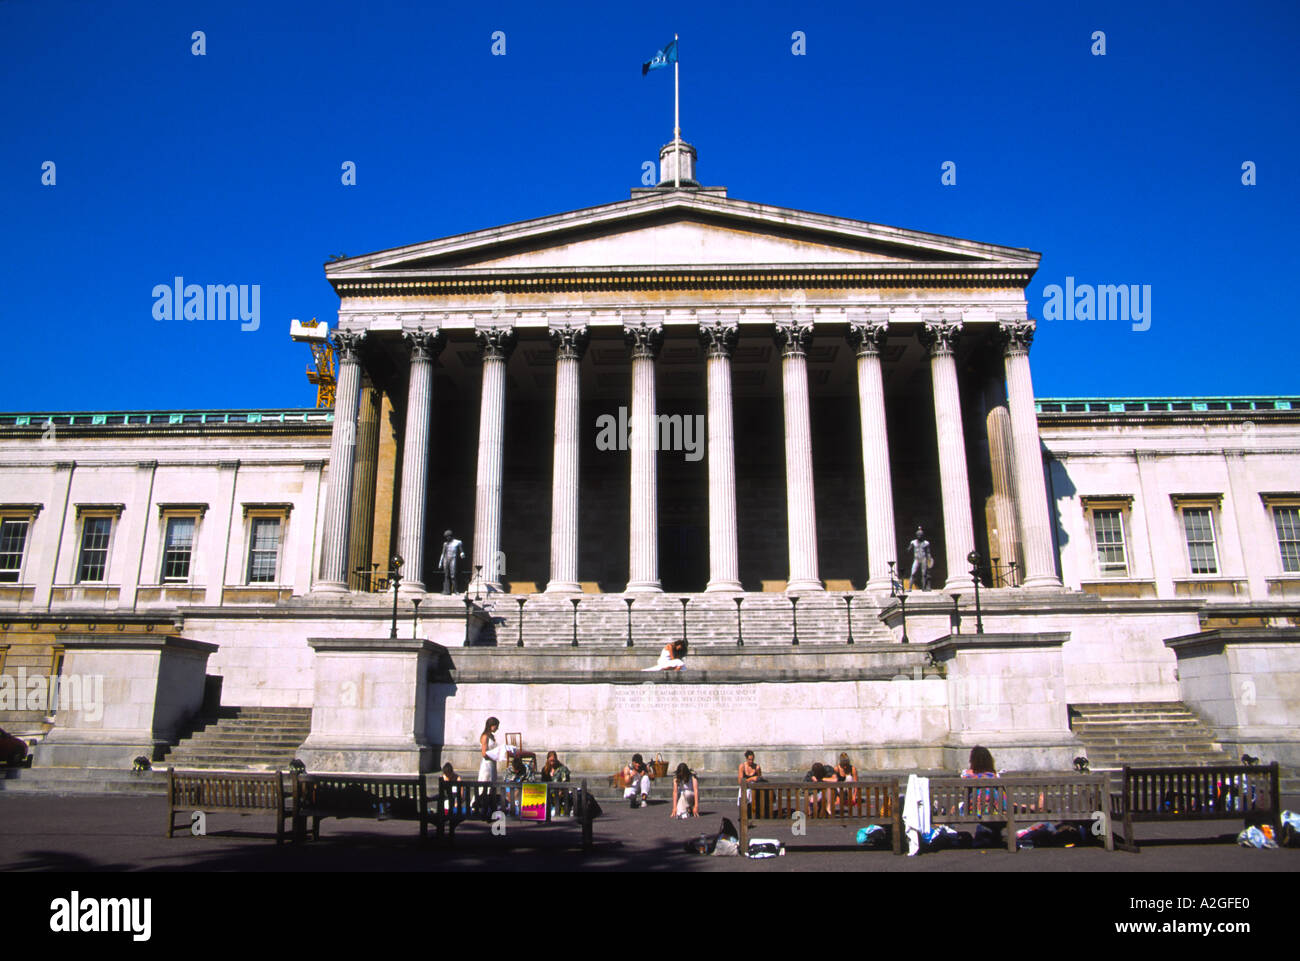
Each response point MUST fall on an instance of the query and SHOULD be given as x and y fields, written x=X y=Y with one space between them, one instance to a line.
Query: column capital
x=643 y=339
x=1016 y=336
x=348 y=345
x=793 y=336
x=867 y=337
x=939 y=339
x=424 y=344
x=495 y=341
x=719 y=336
x=569 y=341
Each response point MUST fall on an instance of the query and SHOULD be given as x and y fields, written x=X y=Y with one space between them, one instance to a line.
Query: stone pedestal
x=1006 y=691
x=368 y=712
x=122 y=696
x=1245 y=682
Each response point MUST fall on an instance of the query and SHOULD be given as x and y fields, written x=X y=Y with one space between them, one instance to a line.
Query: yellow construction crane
x=316 y=336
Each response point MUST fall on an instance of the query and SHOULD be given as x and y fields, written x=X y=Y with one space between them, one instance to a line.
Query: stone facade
x=680 y=393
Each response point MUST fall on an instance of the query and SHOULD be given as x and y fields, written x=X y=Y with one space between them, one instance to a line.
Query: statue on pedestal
x=453 y=552
x=922 y=561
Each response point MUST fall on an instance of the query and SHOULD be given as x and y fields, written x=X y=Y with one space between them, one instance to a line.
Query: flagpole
x=677 y=116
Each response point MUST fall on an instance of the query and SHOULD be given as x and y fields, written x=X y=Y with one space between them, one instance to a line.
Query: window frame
x=89 y=512
x=1122 y=505
x=1287 y=502
x=261 y=512
x=12 y=513
x=166 y=514
x=1211 y=505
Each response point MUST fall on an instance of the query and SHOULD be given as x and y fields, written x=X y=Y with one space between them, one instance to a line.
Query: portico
x=847 y=374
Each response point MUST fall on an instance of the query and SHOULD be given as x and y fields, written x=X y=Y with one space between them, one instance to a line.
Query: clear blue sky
x=225 y=168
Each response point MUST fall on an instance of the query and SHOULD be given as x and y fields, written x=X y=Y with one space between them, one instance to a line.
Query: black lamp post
x=469 y=606
x=521 y=601
x=902 y=609
x=575 y=601
x=396 y=578
x=684 y=602
x=415 y=619
x=629 y=601
x=740 y=637
x=974 y=559
x=848 y=600
x=478 y=581
x=794 y=618
x=895 y=585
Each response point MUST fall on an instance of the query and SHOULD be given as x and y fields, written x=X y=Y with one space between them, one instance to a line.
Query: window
x=1198 y=527
x=178 y=548
x=264 y=550
x=1108 y=531
x=95 y=533
x=13 y=542
x=1286 y=521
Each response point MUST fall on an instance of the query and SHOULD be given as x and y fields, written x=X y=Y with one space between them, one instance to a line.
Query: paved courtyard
x=123 y=833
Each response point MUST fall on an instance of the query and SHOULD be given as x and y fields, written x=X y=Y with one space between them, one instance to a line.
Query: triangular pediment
x=683 y=228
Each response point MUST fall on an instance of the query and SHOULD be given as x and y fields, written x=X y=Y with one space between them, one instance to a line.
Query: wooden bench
x=863 y=802
x=395 y=797
x=1021 y=799
x=460 y=801
x=1167 y=794
x=190 y=791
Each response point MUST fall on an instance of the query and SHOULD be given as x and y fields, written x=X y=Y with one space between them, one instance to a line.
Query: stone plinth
x=123 y=696
x=1007 y=692
x=370 y=704
x=1245 y=682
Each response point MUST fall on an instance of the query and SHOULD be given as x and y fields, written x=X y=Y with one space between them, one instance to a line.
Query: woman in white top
x=489 y=751
x=671 y=658
x=686 y=794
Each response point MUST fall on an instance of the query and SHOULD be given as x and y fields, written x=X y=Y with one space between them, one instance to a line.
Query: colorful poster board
x=532 y=806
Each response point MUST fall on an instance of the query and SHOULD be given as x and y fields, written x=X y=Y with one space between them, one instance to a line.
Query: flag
x=661 y=59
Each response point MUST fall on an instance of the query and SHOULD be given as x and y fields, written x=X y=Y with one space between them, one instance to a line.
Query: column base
x=1043 y=582
x=731 y=586
x=805 y=584
x=959 y=584
x=645 y=587
x=330 y=587
x=483 y=587
x=879 y=585
x=411 y=589
x=563 y=587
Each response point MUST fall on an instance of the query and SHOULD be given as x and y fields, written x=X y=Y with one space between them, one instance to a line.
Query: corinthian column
x=570 y=344
x=496 y=343
x=424 y=346
x=867 y=339
x=343 y=447
x=1031 y=489
x=644 y=341
x=958 y=531
x=719 y=339
x=793 y=337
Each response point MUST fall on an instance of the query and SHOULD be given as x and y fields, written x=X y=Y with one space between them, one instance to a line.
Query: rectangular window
x=264 y=550
x=178 y=549
x=1286 y=520
x=1198 y=526
x=94 y=548
x=1108 y=529
x=13 y=541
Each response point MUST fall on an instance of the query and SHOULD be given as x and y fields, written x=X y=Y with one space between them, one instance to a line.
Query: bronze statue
x=453 y=552
x=922 y=560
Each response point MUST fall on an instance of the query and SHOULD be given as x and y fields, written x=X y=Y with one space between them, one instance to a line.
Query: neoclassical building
x=679 y=413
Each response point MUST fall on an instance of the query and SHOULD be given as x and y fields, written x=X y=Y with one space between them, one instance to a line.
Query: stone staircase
x=766 y=618
x=1151 y=734
x=242 y=738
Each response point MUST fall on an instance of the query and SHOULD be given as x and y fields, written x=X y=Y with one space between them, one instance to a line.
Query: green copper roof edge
x=207 y=412
x=1160 y=400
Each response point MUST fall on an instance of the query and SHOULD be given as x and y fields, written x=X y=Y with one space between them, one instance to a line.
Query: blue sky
x=225 y=168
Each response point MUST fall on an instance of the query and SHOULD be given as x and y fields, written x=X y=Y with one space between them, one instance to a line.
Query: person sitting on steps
x=637 y=777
